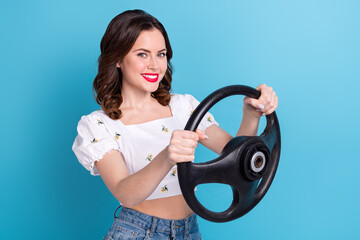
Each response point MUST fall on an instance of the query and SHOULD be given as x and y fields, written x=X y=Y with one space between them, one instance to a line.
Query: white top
x=138 y=143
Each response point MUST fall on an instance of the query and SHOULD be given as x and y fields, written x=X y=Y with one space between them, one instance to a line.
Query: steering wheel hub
x=258 y=162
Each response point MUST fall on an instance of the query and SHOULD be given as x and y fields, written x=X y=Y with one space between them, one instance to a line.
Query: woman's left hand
x=265 y=105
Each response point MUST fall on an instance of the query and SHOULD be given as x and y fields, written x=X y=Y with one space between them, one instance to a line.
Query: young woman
x=135 y=141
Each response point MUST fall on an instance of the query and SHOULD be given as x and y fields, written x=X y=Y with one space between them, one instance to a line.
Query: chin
x=153 y=87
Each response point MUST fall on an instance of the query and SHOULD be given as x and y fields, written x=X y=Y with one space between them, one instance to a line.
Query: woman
x=135 y=141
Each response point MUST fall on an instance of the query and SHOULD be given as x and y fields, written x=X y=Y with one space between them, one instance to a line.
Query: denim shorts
x=131 y=224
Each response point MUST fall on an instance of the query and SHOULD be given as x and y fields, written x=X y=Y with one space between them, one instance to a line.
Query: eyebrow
x=145 y=50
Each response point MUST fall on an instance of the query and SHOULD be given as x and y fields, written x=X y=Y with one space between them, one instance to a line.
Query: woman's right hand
x=182 y=145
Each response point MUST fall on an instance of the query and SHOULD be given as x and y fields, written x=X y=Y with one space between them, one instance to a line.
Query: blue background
x=308 y=51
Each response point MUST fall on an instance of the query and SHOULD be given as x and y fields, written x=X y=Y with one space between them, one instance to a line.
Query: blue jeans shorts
x=131 y=224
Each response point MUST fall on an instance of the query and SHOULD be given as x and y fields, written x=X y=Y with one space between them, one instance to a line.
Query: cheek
x=138 y=66
x=131 y=65
x=163 y=66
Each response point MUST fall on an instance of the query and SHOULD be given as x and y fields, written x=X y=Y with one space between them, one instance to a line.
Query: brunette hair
x=119 y=38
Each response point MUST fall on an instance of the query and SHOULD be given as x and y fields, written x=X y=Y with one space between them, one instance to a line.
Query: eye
x=162 y=55
x=143 y=55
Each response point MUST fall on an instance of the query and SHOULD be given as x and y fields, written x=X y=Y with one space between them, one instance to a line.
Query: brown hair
x=119 y=37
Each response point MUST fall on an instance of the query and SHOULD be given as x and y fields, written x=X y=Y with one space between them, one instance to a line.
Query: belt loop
x=116 y=210
x=186 y=227
x=153 y=225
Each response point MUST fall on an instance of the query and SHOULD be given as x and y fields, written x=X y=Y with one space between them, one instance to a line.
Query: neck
x=134 y=98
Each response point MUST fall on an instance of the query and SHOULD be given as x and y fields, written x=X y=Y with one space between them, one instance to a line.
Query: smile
x=150 y=77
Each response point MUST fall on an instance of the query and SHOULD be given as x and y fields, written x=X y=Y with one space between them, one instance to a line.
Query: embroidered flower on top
x=117 y=136
x=99 y=122
x=150 y=157
x=164 y=129
x=94 y=140
x=173 y=173
x=209 y=119
x=164 y=189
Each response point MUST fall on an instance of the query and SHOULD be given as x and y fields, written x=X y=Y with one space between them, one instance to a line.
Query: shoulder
x=95 y=139
x=175 y=98
x=179 y=100
x=183 y=103
x=97 y=116
x=184 y=99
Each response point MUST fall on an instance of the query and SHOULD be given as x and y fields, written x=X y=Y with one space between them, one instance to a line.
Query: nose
x=153 y=63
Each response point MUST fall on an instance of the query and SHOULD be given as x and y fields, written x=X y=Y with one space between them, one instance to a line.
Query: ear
x=118 y=64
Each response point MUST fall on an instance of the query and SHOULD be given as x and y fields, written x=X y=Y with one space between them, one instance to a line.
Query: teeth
x=151 y=76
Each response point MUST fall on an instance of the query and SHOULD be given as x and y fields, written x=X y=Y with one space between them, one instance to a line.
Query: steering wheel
x=247 y=164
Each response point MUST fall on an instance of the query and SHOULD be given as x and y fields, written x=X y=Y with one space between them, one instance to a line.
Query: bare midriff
x=169 y=208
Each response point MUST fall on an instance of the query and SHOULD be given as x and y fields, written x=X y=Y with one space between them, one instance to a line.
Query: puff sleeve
x=207 y=120
x=93 y=142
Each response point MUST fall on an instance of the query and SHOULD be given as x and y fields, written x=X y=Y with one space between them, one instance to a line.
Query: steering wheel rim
x=231 y=167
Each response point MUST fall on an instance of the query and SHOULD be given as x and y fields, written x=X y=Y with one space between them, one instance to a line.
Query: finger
x=254 y=103
x=261 y=86
x=186 y=158
x=191 y=143
x=273 y=108
x=189 y=135
x=185 y=134
x=273 y=104
x=181 y=158
x=265 y=100
x=267 y=97
x=264 y=89
x=201 y=134
x=269 y=106
x=181 y=149
x=270 y=111
x=185 y=151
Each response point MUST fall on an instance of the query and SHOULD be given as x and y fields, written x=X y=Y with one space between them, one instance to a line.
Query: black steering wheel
x=247 y=164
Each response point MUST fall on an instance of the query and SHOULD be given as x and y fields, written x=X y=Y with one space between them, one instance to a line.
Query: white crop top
x=139 y=143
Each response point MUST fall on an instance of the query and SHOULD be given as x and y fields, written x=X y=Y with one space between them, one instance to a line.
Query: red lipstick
x=150 y=77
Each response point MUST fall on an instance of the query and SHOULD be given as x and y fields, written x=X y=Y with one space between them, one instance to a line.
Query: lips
x=150 y=77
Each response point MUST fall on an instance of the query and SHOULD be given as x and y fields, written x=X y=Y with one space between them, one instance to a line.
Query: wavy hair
x=119 y=38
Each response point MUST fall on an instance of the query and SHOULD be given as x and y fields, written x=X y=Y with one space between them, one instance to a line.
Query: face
x=145 y=64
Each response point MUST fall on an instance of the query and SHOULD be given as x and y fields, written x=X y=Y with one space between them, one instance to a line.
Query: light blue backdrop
x=307 y=50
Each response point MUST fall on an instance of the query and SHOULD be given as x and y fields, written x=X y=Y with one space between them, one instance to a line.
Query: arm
x=252 y=111
x=125 y=187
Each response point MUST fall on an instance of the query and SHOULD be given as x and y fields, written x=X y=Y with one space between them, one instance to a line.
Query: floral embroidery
x=150 y=157
x=94 y=140
x=164 y=129
x=192 y=111
x=173 y=173
x=117 y=135
x=209 y=119
x=164 y=189
x=99 y=121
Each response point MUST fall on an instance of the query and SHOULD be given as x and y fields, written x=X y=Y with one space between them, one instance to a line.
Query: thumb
x=201 y=134
x=254 y=102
